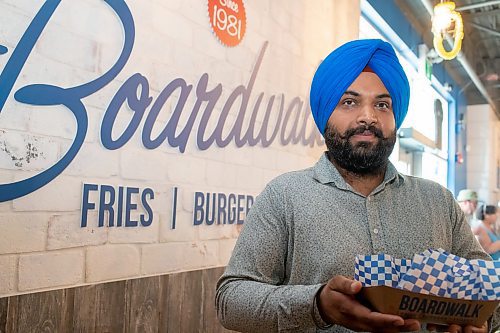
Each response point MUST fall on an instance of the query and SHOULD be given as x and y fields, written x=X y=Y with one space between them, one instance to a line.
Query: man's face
x=468 y=206
x=361 y=132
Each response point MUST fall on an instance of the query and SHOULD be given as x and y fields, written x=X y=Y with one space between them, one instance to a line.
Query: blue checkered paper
x=380 y=270
x=433 y=272
x=489 y=276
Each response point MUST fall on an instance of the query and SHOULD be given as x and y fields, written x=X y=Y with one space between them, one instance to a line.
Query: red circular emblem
x=228 y=20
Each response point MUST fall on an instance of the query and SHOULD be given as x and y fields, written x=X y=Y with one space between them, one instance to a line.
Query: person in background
x=467 y=200
x=489 y=240
x=291 y=269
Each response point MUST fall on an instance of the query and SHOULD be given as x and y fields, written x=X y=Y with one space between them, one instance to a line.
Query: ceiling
x=481 y=44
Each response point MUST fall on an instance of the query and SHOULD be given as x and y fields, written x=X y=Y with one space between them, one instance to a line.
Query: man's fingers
x=475 y=329
x=346 y=310
x=344 y=285
x=455 y=329
x=364 y=316
x=410 y=325
x=381 y=319
x=339 y=306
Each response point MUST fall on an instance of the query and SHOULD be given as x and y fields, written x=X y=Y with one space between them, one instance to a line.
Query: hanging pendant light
x=447 y=21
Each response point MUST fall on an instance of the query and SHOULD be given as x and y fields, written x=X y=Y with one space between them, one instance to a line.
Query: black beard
x=363 y=158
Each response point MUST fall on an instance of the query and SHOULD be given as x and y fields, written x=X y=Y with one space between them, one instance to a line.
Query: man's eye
x=383 y=105
x=349 y=102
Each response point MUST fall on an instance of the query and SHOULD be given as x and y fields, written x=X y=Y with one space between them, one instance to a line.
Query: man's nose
x=367 y=115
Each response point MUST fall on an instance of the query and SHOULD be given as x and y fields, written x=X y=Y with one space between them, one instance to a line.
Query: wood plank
x=84 y=309
x=181 y=302
x=210 y=321
x=179 y=311
x=12 y=314
x=143 y=300
x=172 y=316
x=164 y=311
x=110 y=300
x=44 y=312
x=192 y=304
x=4 y=309
x=67 y=315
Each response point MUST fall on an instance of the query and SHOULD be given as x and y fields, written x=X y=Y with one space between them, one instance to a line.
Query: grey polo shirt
x=307 y=226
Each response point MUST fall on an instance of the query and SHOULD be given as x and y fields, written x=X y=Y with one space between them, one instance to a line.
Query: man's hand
x=337 y=305
x=458 y=328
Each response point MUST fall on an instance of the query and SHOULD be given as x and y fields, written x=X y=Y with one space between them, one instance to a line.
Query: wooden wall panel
x=181 y=302
x=165 y=312
x=49 y=311
x=210 y=277
x=192 y=307
x=4 y=303
x=11 y=314
x=110 y=313
x=143 y=304
x=84 y=309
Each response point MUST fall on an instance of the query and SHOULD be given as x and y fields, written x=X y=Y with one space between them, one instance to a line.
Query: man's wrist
x=319 y=321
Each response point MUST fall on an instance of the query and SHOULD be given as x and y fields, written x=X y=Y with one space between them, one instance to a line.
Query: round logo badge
x=228 y=20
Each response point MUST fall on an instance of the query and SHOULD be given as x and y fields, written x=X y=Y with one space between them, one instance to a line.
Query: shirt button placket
x=373 y=224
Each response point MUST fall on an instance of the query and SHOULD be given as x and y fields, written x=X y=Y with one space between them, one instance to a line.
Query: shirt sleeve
x=252 y=294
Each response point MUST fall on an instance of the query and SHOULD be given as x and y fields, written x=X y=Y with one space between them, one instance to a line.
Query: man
x=291 y=268
x=467 y=199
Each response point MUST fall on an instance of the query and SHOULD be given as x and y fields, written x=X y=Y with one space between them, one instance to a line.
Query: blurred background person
x=467 y=199
x=485 y=232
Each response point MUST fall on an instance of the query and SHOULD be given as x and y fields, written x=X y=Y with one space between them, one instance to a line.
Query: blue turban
x=339 y=70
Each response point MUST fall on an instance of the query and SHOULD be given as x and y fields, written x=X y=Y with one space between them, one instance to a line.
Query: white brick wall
x=21 y=233
x=249 y=178
x=139 y=234
x=80 y=52
x=225 y=249
x=55 y=122
x=215 y=178
x=8 y=274
x=171 y=257
x=188 y=170
x=65 y=232
x=93 y=160
x=42 y=245
x=112 y=262
x=51 y=269
x=74 y=17
x=13 y=120
x=184 y=230
x=217 y=231
x=61 y=195
x=12 y=17
x=20 y=151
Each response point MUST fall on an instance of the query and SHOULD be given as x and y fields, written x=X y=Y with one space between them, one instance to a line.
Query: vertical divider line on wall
x=174 y=206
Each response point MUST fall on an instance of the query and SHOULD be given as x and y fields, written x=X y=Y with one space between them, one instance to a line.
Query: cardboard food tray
x=427 y=308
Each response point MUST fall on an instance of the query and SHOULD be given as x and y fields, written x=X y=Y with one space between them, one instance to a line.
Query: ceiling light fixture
x=447 y=21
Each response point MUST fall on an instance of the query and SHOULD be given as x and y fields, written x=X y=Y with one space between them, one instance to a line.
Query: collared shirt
x=308 y=226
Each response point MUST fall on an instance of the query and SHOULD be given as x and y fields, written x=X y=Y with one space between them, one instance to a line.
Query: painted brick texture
x=42 y=243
